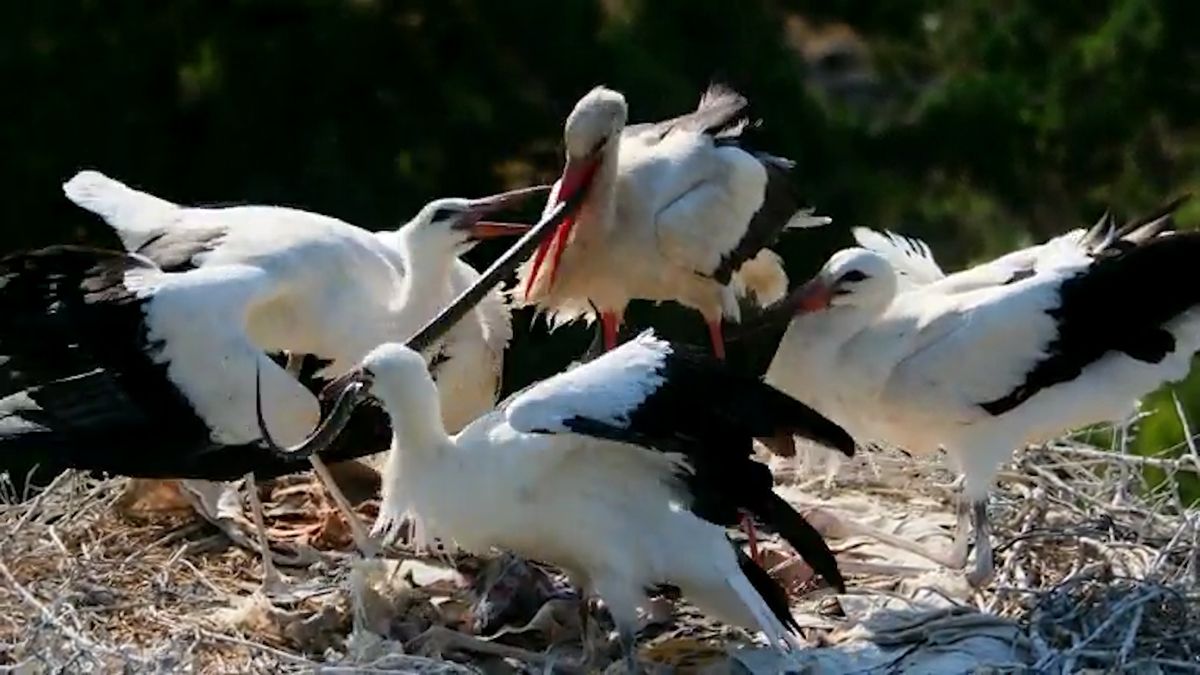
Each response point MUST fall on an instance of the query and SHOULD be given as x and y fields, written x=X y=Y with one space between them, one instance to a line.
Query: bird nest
x=1097 y=569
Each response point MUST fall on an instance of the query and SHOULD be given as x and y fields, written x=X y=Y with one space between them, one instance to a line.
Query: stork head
x=393 y=374
x=598 y=117
x=592 y=131
x=853 y=277
x=455 y=225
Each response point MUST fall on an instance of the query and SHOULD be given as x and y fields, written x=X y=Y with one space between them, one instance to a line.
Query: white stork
x=915 y=267
x=978 y=363
x=625 y=471
x=332 y=290
x=131 y=369
x=677 y=210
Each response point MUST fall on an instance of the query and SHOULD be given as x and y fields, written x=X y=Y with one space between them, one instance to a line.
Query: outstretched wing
x=653 y=393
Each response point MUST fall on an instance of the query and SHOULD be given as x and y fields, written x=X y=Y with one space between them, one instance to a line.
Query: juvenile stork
x=134 y=370
x=334 y=291
x=625 y=471
x=981 y=362
x=677 y=210
x=915 y=266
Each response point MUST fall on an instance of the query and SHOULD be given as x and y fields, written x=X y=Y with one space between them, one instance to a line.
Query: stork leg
x=984 y=563
x=751 y=535
x=362 y=538
x=957 y=557
x=610 y=323
x=272 y=581
x=718 y=346
x=590 y=649
x=717 y=339
x=627 y=636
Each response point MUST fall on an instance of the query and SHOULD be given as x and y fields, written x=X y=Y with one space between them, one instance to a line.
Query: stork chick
x=625 y=471
x=981 y=362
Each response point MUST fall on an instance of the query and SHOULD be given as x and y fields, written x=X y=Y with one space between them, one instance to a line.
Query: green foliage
x=978 y=125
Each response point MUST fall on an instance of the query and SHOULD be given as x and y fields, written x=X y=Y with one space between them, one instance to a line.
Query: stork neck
x=426 y=276
x=837 y=325
x=416 y=415
x=600 y=208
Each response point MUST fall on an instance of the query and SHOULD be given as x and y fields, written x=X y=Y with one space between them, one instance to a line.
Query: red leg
x=748 y=528
x=718 y=341
x=610 y=322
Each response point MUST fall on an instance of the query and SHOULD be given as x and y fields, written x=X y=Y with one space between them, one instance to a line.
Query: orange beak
x=576 y=179
x=812 y=297
x=490 y=229
x=473 y=222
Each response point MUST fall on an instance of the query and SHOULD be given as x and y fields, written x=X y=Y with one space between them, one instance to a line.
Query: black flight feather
x=1120 y=303
x=91 y=395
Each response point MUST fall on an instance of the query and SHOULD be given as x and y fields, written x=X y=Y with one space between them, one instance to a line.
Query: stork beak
x=330 y=427
x=506 y=264
x=577 y=176
x=811 y=297
x=572 y=187
x=340 y=384
x=473 y=218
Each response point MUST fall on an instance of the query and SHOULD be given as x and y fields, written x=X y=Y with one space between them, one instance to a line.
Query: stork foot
x=438 y=640
x=984 y=562
x=628 y=639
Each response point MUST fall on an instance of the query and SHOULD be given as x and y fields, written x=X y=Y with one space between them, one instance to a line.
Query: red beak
x=812 y=297
x=576 y=179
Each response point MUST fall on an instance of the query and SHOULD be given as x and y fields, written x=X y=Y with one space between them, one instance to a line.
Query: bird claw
x=978 y=577
x=437 y=640
x=276 y=587
x=432 y=643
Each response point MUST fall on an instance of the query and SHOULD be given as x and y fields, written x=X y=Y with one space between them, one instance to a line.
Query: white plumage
x=677 y=210
x=597 y=471
x=1015 y=351
x=325 y=287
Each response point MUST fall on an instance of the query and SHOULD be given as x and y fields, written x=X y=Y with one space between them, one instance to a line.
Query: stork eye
x=852 y=276
x=443 y=214
x=599 y=145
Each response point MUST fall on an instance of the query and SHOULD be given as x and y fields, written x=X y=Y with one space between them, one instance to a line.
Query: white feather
x=328 y=288
x=563 y=498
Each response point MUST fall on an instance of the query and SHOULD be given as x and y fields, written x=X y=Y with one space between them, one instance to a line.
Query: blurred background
x=976 y=125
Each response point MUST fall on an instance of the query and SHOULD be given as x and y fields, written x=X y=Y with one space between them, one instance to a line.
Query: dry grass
x=1096 y=568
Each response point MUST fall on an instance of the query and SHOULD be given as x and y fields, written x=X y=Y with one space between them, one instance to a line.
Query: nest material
x=1096 y=570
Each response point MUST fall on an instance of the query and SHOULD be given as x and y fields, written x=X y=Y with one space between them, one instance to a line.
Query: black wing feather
x=711 y=414
x=89 y=394
x=1095 y=319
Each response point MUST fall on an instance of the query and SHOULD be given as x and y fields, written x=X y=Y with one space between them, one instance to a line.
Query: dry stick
x=1162 y=552
x=234 y=640
x=1131 y=634
x=1180 y=464
x=51 y=619
x=1112 y=619
x=37 y=502
x=1180 y=665
x=169 y=537
x=1187 y=429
